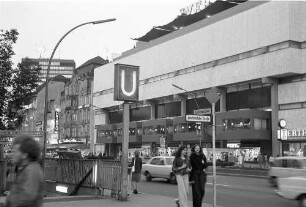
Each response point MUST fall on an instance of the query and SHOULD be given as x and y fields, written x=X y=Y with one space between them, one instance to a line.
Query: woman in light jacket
x=181 y=168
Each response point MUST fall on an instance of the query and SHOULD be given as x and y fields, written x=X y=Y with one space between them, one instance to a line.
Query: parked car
x=159 y=167
x=293 y=188
x=287 y=167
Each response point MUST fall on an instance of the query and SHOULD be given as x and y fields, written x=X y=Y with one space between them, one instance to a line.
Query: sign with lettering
x=126 y=83
x=196 y=7
x=202 y=111
x=198 y=118
x=56 y=118
x=291 y=134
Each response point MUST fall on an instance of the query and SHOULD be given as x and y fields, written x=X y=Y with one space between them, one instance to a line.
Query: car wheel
x=274 y=181
x=302 y=201
x=172 y=178
x=148 y=176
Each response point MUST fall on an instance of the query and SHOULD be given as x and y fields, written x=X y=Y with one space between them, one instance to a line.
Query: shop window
x=260 y=124
x=236 y=124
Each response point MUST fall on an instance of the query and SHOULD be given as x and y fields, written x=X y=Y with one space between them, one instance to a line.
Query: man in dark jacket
x=136 y=174
x=27 y=189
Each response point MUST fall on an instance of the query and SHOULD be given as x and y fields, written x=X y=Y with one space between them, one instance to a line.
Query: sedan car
x=287 y=167
x=293 y=188
x=159 y=167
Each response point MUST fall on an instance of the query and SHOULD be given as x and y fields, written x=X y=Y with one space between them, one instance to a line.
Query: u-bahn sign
x=126 y=82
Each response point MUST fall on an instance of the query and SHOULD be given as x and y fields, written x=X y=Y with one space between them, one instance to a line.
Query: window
x=235 y=124
x=156 y=161
x=169 y=161
x=120 y=132
x=132 y=131
x=147 y=130
x=192 y=127
x=260 y=124
x=182 y=127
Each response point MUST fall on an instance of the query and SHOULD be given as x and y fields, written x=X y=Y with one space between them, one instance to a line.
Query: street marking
x=219 y=185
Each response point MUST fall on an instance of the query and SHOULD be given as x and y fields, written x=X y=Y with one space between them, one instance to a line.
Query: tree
x=16 y=84
x=7 y=39
x=25 y=80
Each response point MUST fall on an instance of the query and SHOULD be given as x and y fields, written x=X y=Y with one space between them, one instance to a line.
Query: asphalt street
x=231 y=192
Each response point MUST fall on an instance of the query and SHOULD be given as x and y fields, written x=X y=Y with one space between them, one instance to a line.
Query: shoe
x=177 y=202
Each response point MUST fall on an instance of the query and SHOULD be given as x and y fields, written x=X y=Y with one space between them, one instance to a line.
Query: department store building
x=252 y=54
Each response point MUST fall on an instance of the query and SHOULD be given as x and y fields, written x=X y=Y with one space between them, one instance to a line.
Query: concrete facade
x=254 y=42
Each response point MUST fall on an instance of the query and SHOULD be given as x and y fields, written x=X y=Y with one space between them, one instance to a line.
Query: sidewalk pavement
x=138 y=200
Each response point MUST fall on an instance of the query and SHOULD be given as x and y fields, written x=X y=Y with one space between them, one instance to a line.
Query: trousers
x=183 y=188
x=198 y=188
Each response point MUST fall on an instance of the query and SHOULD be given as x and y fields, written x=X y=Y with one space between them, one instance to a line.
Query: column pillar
x=153 y=110
x=183 y=106
x=276 y=145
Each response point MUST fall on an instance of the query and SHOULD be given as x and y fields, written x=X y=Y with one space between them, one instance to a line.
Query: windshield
x=169 y=160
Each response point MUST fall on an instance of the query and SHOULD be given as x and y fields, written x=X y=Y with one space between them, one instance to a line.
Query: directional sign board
x=202 y=111
x=198 y=118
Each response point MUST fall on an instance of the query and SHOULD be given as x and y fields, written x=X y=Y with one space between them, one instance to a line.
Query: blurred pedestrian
x=271 y=161
x=136 y=173
x=266 y=160
x=260 y=160
x=27 y=188
x=198 y=164
x=181 y=168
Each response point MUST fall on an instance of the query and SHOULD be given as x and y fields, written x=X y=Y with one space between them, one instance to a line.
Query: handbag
x=133 y=167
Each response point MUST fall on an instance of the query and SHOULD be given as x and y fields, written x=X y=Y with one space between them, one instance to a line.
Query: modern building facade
x=252 y=54
x=62 y=67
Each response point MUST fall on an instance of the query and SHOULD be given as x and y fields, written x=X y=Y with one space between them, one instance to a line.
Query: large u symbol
x=123 y=84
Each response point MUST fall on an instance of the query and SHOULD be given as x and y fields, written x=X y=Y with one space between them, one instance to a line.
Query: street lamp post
x=195 y=100
x=47 y=81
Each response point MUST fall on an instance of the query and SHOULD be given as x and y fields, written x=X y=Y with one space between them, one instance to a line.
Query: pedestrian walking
x=260 y=160
x=181 y=168
x=271 y=161
x=198 y=165
x=27 y=188
x=136 y=172
x=266 y=161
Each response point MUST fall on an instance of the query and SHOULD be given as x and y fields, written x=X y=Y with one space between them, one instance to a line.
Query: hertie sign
x=126 y=82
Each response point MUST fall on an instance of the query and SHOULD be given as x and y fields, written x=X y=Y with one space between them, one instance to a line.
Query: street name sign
x=202 y=111
x=198 y=118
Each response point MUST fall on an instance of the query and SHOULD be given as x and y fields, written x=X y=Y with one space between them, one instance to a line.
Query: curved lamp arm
x=47 y=80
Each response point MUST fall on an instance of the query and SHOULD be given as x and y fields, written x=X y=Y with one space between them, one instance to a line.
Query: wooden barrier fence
x=106 y=173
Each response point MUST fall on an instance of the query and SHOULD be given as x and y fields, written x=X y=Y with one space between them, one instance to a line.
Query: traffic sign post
x=204 y=111
x=213 y=97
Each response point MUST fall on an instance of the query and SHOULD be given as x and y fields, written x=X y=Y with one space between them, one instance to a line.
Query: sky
x=42 y=23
